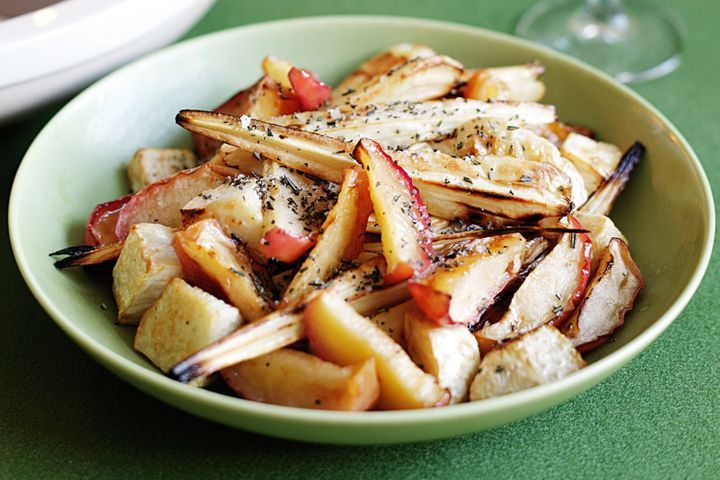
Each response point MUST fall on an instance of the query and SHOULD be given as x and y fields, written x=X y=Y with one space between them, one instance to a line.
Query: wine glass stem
x=603 y=10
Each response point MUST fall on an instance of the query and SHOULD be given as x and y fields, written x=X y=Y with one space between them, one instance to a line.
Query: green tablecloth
x=63 y=416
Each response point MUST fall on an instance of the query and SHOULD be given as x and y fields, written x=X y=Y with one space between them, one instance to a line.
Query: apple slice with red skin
x=100 y=227
x=161 y=202
x=550 y=292
x=213 y=262
x=298 y=379
x=309 y=90
x=609 y=296
x=405 y=228
x=458 y=289
x=294 y=209
x=339 y=334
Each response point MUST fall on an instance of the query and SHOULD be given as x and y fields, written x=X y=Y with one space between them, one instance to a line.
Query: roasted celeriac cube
x=298 y=379
x=146 y=265
x=149 y=165
x=449 y=352
x=182 y=321
x=538 y=357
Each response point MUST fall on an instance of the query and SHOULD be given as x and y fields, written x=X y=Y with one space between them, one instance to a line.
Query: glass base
x=633 y=42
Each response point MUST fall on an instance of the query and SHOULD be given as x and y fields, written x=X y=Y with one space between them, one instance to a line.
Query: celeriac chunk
x=538 y=357
x=146 y=265
x=182 y=321
x=595 y=161
x=149 y=165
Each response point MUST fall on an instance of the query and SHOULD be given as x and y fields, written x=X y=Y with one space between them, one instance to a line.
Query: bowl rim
x=161 y=383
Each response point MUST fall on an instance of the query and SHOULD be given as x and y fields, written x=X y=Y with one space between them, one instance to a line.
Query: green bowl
x=79 y=160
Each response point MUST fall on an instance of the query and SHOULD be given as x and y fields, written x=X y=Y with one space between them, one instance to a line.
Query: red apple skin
x=310 y=92
x=368 y=151
x=583 y=273
x=100 y=227
x=284 y=246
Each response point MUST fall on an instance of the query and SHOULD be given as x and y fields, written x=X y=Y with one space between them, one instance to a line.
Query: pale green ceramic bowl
x=79 y=160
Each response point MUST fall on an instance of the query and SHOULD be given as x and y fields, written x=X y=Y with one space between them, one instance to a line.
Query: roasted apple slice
x=262 y=100
x=609 y=296
x=541 y=356
x=518 y=83
x=299 y=379
x=404 y=221
x=549 y=294
x=294 y=208
x=184 y=319
x=380 y=64
x=417 y=79
x=341 y=240
x=297 y=84
x=450 y=352
x=146 y=265
x=339 y=334
x=149 y=165
x=214 y=262
x=237 y=206
x=100 y=227
x=161 y=201
x=601 y=230
x=459 y=288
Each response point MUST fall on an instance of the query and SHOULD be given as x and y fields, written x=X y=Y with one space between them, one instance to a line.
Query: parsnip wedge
x=401 y=124
x=380 y=64
x=418 y=79
x=449 y=352
x=505 y=193
x=482 y=137
x=602 y=201
x=610 y=295
x=550 y=292
x=214 y=262
x=321 y=156
x=541 y=356
x=299 y=379
x=458 y=289
x=340 y=241
x=339 y=334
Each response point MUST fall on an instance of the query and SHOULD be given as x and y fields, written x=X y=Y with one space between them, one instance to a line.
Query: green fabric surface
x=64 y=416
